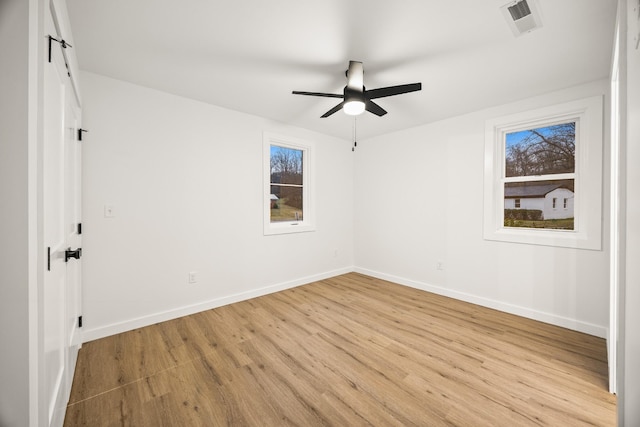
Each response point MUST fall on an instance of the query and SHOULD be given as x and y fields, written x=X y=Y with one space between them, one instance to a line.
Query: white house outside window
x=536 y=158
x=539 y=166
x=286 y=183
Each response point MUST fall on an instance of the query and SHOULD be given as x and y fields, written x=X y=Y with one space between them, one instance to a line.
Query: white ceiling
x=248 y=55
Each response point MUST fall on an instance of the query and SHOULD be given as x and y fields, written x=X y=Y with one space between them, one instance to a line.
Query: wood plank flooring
x=346 y=351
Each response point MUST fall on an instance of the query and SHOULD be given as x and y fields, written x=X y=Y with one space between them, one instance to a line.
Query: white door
x=72 y=224
x=61 y=158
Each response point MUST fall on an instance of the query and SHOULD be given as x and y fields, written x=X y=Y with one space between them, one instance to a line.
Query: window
x=286 y=171
x=535 y=158
x=287 y=199
x=539 y=164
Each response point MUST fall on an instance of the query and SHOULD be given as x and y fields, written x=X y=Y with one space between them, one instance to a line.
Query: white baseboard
x=139 y=322
x=565 y=322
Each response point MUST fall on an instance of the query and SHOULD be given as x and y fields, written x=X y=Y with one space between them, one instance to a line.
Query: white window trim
x=587 y=233
x=308 y=199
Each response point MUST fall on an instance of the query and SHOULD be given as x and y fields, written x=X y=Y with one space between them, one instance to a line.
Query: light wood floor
x=347 y=351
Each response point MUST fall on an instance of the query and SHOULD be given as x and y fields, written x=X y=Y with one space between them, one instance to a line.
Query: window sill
x=287 y=228
x=557 y=238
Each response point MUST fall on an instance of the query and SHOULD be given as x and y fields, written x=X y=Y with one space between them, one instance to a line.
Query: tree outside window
x=534 y=156
x=288 y=197
x=539 y=168
x=286 y=183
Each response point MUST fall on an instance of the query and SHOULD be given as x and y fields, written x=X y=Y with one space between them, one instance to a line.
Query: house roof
x=530 y=191
x=249 y=55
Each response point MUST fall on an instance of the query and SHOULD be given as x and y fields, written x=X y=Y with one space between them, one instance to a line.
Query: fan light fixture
x=353 y=108
x=356 y=99
x=354 y=103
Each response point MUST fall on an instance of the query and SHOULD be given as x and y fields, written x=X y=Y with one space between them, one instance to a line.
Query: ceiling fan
x=356 y=99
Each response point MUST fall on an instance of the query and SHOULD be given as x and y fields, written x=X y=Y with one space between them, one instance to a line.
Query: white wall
x=185 y=182
x=419 y=201
x=14 y=214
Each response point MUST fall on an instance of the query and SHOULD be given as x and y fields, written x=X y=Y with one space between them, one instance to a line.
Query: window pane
x=533 y=204
x=286 y=203
x=541 y=151
x=286 y=165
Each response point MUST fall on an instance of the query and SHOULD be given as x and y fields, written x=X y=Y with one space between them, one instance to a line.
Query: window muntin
x=288 y=192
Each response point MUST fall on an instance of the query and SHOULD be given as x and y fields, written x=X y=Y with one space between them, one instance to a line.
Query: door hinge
x=48 y=258
x=68 y=254
x=62 y=42
x=79 y=321
x=79 y=228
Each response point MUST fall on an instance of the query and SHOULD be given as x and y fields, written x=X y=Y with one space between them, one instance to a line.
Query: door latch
x=72 y=254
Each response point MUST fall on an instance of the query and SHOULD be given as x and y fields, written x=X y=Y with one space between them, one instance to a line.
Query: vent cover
x=519 y=10
x=522 y=16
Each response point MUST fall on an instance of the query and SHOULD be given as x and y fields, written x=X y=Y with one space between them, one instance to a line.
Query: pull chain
x=355 y=143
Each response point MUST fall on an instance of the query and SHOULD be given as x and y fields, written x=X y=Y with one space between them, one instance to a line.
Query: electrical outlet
x=193 y=277
x=439 y=265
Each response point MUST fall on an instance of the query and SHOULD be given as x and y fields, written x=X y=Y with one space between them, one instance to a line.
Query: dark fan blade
x=326 y=95
x=392 y=90
x=333 y=110
x=374 y=108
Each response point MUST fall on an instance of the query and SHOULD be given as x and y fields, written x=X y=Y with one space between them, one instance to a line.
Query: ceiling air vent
x=519 y=10
x=522 y=16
